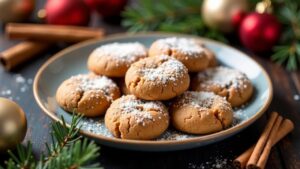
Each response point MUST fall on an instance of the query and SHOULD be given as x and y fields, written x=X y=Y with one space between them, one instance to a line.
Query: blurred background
x=266 y=27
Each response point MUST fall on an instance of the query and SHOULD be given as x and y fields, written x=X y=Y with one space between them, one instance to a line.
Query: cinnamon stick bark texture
x=52 y=33
x=267 y=149
x=285 y=128
x=262 y=140
x=20 y=53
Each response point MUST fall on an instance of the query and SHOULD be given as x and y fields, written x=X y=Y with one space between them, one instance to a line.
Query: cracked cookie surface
x=157 y=78
x=200 y=113
x=131 y=118
x=189 y=51
x=114 y=59
x=226 y=82
x=87 y=94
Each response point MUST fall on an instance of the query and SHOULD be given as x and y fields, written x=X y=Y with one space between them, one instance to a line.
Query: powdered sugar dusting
x=223 y=77
x=170 y=70
x=88 y=82
x=172 y=134
x=218 y=162
x=140 y=109
x=186 y=46
x=22 y=84
x=97 y=126
x=201 y=100
x=122 y=52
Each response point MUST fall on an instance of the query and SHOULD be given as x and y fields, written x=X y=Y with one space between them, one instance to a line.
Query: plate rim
x=116 y=36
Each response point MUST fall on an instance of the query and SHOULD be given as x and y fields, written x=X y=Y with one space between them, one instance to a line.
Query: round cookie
x=189 y=51
x=211 y=57
x=226 y=82
x=114 y=59
x=131 y=118
x=200 y=113
x=87 y=94
x=157 y=78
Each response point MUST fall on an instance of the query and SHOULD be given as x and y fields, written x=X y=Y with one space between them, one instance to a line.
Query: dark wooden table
x=286 y=154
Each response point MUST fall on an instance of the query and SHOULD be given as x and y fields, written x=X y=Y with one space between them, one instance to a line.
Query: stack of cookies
x=131 y=87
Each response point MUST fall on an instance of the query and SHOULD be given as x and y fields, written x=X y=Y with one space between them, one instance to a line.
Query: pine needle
x=66 y=151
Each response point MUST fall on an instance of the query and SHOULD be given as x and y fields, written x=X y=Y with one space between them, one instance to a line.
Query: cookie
x=157 y=78
x=131 y=118
x=189 y=51
x=200 y=113
x=226 y=82
x=122 y=86
x=114 y=59
x=87 y=94
x=212 y=60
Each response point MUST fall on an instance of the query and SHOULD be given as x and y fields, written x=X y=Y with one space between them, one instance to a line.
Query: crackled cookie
x=189 y=51
x=87 y=94
x=200 y=113
x=226 y=82
x=114 y=59
x=157 y=78
x=131 y=118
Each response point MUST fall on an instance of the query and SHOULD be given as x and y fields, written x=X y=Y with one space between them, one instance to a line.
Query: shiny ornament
x=107 y=8
x=13 y=124
x=259 y=32
x=15 y=10
x=67 y=12
x=218 y=14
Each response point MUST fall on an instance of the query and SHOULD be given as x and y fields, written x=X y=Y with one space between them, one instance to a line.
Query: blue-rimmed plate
x=72 y=61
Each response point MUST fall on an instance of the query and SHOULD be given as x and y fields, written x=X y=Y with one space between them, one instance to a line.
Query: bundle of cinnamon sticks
x=256 y=156
x=37 y=38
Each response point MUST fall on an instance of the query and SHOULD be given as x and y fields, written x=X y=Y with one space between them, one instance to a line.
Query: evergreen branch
x=24 y=159
x=289 y=51
x=62 y=136
x=289 y=55
x=169 y=16
x=66 y=151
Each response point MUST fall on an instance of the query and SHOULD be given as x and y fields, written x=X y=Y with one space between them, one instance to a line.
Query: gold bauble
x=217 y=14
x=13 y=124
x=15 y=10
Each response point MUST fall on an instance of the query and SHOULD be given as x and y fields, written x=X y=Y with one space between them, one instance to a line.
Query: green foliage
x=170 y=16
x=289 y=51
x=67 y=150
x=184 y=16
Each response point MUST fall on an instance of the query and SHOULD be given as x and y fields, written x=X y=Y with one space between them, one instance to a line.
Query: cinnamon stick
x=266 y=152
x=262 y=141
x=14 y=56
x=52 y=33
x=285 y=128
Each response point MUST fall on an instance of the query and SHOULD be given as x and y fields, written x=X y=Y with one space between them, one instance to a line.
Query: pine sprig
x=66 y=151
x=289 y=51
x=169 y=16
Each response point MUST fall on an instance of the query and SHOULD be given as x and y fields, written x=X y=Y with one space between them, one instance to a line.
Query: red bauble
x=259 y=32
x=237 y=18
x=107 y=8
x=67 y=12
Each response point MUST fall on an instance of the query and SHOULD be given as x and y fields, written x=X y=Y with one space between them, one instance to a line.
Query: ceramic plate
x=72 y=61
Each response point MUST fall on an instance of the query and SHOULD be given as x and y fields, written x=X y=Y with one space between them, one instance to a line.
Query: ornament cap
x=264 y=7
